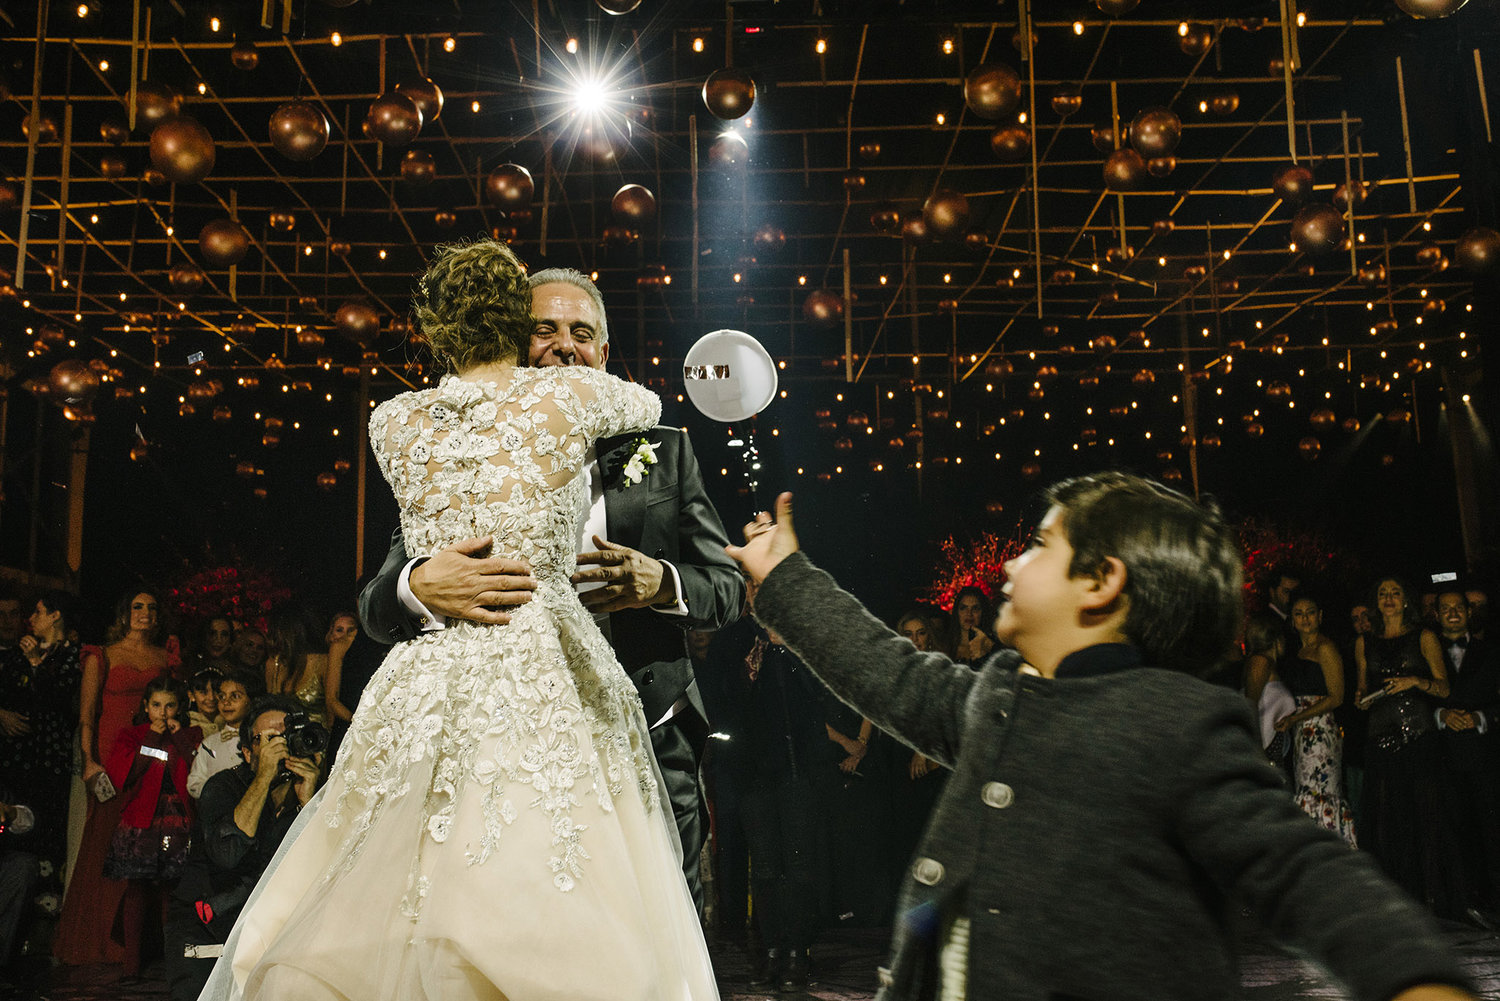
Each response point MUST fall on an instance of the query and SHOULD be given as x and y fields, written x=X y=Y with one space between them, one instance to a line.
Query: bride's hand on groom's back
x=463 y=582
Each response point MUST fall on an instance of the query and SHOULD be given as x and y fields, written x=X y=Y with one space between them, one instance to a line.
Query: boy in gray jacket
x=1105 y=805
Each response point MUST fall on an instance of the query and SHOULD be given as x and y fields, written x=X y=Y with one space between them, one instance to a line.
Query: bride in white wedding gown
x=493 y=827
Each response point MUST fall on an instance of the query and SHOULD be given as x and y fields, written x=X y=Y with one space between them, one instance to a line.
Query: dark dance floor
x=845 y=971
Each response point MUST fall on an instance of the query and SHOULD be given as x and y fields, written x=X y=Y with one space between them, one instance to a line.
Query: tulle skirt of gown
x=493 y=829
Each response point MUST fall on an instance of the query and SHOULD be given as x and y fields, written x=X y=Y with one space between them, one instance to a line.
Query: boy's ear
x=1107 y=584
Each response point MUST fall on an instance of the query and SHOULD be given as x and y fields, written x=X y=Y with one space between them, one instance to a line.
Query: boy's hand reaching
x=767 y=542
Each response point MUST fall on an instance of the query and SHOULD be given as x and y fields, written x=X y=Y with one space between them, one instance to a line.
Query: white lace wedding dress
x=493 y=827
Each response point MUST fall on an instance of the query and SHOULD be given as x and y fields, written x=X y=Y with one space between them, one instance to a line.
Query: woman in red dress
x=114 y=681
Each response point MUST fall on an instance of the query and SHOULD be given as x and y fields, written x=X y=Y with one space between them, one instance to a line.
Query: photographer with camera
x=243 y=814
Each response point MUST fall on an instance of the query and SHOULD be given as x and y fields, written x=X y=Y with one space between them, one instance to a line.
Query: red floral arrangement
x=973 y=563
x=246 y=596
x=1267 y=546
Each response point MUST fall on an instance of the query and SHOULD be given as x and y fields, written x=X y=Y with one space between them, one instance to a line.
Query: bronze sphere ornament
x=914 y=228
x=509 y=186
x=1430 y=8
x=886 y=218
x=1155 y=132
x=1292 y=183
x=299 y=131
x=1114 y=8
x=1318 y=228
x=223 y=242
x=823 y=308
x=185 y=278
x=946 y=214
x=418 y=166
x=633 y=204
x=1010 y=143
x=618 y=7
x=1124 y=170
x=427 y=96
x=244 y=55
x=729 y=150
x=357 y=320
x=1478 y=250
x=394 y=119
x=729 y=93
x=182 y=150
x=114 y=131
x=1067 y=98
x=992 y=90
x=1223 y=103
x=155 y=103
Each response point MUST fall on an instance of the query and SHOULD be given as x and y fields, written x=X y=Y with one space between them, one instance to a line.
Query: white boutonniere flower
x=635 y=466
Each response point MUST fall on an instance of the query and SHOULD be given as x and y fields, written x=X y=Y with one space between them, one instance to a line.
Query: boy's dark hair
x=61 y=601
x=264 y=704
x=1183 y=570
x=254 y=684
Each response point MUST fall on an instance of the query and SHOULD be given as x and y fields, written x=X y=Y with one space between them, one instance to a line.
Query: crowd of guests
x=144 y=787
x=155 y=783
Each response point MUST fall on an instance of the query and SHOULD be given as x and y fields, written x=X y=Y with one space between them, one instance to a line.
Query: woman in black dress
x=1406 y=819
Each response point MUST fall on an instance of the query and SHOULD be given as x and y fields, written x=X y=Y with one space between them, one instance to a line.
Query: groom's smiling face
x=567 y=327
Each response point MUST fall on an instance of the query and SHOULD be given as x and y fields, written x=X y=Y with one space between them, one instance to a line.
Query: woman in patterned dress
x=1315 y=674
x=494 y=826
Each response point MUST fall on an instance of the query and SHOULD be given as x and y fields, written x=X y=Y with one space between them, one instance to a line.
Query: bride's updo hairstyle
x=474 y=305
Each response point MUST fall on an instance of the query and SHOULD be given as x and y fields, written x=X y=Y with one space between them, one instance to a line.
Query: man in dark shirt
x=243 y=814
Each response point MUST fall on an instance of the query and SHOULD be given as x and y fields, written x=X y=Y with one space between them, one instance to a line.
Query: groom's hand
x=631 y=579
x=461 y=582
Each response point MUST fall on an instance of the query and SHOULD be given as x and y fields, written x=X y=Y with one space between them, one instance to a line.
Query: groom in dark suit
x=651 y=563
x=1468 y=718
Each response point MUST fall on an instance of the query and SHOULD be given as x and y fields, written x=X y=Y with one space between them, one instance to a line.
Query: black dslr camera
x=304 y=737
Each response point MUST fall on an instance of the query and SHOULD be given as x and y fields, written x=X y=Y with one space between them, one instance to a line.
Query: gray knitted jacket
x=1095 y=827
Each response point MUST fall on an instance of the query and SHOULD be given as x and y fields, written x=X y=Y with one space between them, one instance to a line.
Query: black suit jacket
x=1474 y=688
x=668 y=517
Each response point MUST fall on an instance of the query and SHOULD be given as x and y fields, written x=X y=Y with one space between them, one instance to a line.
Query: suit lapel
x=624 y=502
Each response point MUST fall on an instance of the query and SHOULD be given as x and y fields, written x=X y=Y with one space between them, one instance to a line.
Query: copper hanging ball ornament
x=1351 y=195
x=633 y=204
x=1066 y=99
x=357 y=320
x=282 y=219
x=854 y=181
x=46 y=131
x=1430 y=8
x=1114 y=8
x=72 y=381
x=618 y=7
x=339 y=248
x=509 y=186
x=1198 y=40
x=185 y=278
x=1223 y=103
x=418 y=166
x=155 y=103
x=153 y=177
x=427 y=96
x=1124 y=170
x=1309 y=447
x=977 y=240
x=1010 y=143
x=445 y=219
x=1429 y=254
x=1318 y=228
x=1372 y=276
x=112 y=166
x=114 y=131
x=1478 y=250
x=869 y=150
x=729 y=93
x=729 y=150
x=992 y=90
x=946 y=214
x=1103 y=137
x=223 y=242
x=1155 y=132
x=394 y=119
x=299 y=131
x=769 y=239
x=914 y=228
x=886 y=218
x=823 y=308
x=1292 y=182
x=244 y=55
x=182 y=150
x=1161 y=166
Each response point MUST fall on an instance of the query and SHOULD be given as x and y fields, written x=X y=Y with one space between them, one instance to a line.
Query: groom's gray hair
x=569 y=276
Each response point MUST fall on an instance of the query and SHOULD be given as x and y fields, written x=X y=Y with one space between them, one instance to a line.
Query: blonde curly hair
x=474 y=305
